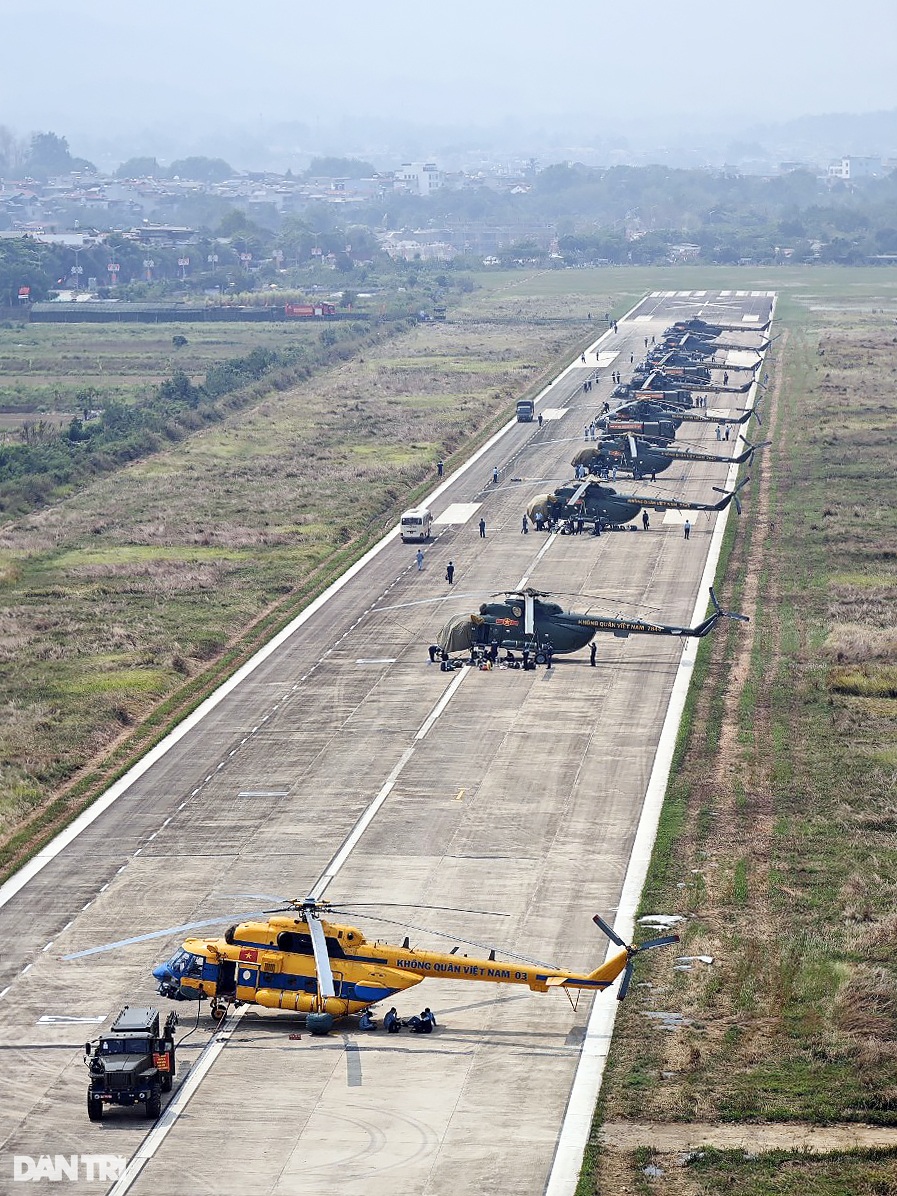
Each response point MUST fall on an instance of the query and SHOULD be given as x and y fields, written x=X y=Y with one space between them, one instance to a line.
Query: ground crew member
x=450 y=572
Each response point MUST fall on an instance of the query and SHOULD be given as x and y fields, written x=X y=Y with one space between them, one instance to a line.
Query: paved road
x=522 y=796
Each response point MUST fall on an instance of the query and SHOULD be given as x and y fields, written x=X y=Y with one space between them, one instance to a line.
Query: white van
x=416 y=524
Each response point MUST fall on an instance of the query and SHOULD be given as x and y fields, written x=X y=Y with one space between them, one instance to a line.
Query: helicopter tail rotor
x=733 y=494
x=631 y=951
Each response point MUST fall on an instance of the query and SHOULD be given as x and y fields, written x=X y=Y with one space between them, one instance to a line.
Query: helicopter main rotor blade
x=322 y=959
x=452 y=909
x=455 y=938
x=161 y=934
x=429 y=601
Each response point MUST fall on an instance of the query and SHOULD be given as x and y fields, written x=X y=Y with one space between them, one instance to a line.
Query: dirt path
x=677 y=1137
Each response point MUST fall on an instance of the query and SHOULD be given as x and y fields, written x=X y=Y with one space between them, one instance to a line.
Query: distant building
x=420 y=179
x=684 y=253
x=423 y=245
x=166 y=236
x=856 y=168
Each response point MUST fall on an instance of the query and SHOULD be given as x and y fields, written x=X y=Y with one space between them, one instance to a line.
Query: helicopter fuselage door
x=227 y=977
x=529 y=620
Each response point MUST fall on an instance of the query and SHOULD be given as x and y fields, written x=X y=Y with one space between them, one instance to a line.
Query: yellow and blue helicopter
x=299 y=960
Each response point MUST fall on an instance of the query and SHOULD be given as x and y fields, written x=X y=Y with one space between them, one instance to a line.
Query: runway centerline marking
x=369 y=814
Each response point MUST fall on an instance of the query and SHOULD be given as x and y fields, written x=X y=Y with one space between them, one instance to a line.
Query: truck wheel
x=94 y=1107
x=154 y=1104
x=166 y=1081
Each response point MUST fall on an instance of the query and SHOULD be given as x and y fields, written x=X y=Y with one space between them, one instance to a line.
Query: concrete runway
x=522 y=796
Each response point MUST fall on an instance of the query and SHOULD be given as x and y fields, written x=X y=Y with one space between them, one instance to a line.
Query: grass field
x=43 y=367
x=777 y=841
x=118 y=597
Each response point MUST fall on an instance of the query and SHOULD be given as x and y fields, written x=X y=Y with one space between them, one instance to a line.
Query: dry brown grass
x=150 y=573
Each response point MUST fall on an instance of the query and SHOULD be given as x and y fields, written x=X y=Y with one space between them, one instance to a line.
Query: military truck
x=132 y=1063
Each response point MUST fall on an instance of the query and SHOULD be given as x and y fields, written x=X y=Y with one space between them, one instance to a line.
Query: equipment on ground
x=133 y=1063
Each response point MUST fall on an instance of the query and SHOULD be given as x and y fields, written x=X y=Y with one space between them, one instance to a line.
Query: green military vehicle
x=132 y=1063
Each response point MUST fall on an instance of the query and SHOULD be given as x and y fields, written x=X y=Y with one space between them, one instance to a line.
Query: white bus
x=416 y=524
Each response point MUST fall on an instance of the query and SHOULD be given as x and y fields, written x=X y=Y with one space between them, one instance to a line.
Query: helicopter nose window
x=183 y=963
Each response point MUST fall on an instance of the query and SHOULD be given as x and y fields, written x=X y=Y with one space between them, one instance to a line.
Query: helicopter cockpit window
x=183 y=963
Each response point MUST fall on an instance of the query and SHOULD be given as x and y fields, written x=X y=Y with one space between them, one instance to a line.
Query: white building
x=856 y=168
x=419 y=178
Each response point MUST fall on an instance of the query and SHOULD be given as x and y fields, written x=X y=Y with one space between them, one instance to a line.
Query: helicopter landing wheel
x=540 y=658
x=218 y=1011
x=319 y=1024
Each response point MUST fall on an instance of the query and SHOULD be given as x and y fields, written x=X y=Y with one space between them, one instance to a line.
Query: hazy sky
x=102 y=66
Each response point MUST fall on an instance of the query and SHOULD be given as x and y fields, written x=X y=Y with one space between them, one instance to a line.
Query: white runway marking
x=746 y=357
x=61 y=1019
x=607 y=358
x=458 y=512
x=554 y=413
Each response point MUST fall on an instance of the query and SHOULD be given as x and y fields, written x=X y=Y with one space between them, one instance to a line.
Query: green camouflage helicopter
x=528 y=622
x=596 y=503
x=642 y=457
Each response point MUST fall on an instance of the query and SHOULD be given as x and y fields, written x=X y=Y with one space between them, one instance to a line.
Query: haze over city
x=262 y=85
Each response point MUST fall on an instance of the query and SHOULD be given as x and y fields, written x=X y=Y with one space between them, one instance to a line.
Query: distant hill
x=833 y=135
